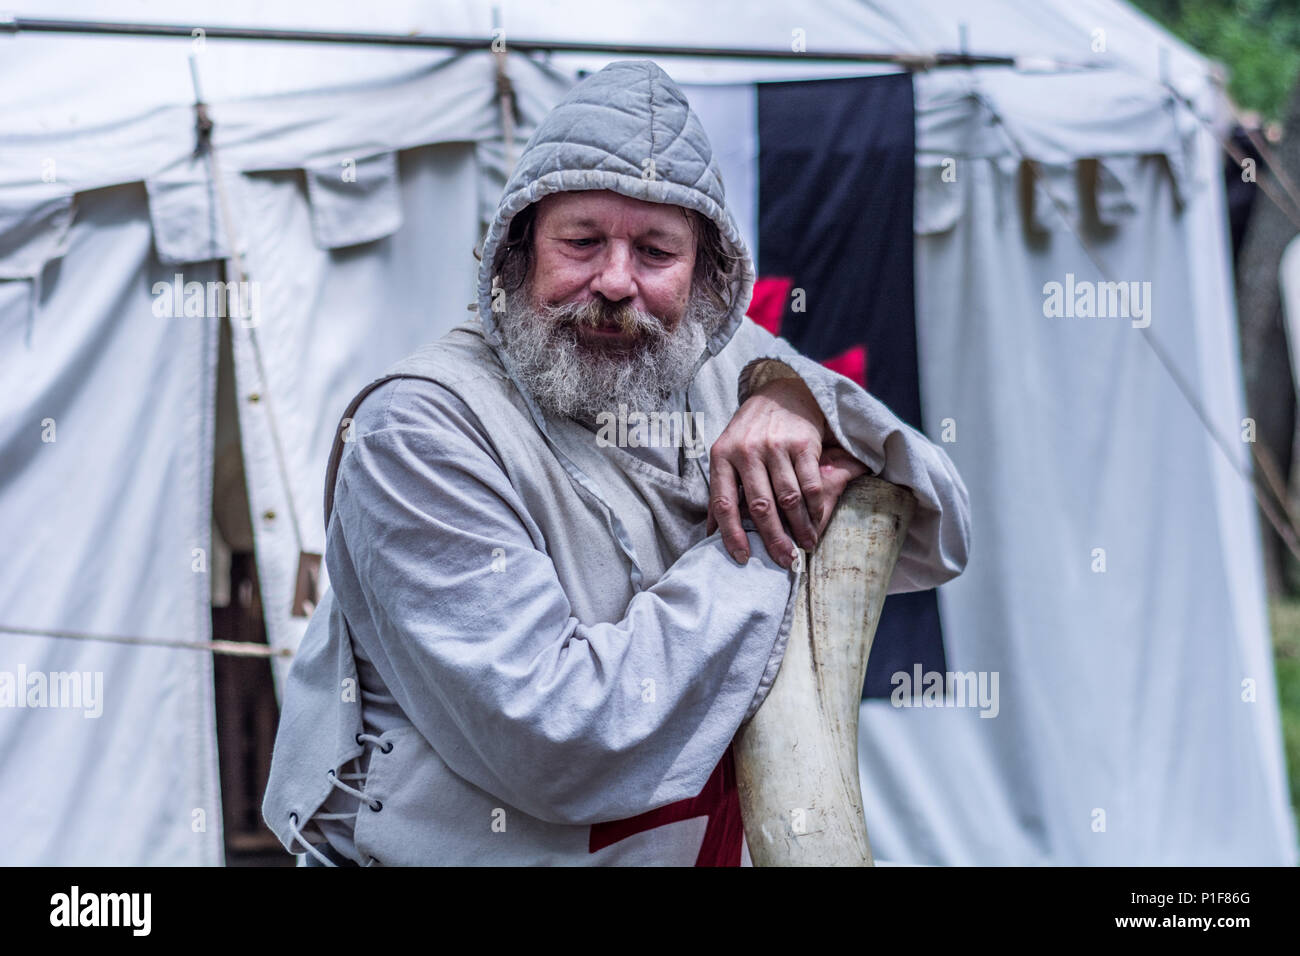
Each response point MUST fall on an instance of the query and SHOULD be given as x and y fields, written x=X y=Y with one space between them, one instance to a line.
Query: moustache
x=601 y=313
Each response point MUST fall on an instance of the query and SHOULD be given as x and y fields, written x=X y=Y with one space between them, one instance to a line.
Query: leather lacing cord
x=336 y=780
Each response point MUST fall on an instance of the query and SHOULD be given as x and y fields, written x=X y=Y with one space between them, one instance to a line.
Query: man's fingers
x=837 y=469
x=843 y=466
x=724 y=508
x=786 y=486
x=762 y=507
x=812 y=489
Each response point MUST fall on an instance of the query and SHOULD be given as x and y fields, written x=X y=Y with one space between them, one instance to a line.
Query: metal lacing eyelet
x=377 y=806
x=357 y=738
x=387 y=748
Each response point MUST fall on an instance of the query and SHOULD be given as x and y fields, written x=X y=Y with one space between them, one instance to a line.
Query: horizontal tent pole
x=919 y=61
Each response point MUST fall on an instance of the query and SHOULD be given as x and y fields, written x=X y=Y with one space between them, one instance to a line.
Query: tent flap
x=1055 y=197
x=354 y=200
x=32 y=233
x=1114 y=194
x=939 y=197
x=185 y=212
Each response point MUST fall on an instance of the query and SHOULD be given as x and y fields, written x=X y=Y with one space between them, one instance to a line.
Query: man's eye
x=654 y=253
x=580 y=243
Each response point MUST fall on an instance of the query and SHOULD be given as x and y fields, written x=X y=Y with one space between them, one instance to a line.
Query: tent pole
x=505 y=91
x=911 y=61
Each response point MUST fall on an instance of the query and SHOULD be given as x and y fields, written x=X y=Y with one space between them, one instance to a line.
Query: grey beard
x=572 y=380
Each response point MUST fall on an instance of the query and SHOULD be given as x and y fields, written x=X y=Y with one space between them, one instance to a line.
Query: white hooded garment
x=531 y=653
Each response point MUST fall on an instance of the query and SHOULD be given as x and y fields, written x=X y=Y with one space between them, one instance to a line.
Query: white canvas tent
x=1137 y=718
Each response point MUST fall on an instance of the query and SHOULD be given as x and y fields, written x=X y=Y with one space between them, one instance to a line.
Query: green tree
x=1257 y=40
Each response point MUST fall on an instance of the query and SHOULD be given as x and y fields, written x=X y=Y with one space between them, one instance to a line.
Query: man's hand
x=772 y=449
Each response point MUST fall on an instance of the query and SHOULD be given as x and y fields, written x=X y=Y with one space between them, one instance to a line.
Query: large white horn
x=797 y=759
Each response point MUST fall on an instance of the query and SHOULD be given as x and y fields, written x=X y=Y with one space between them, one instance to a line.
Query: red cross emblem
x=767 y=308
x=719 y=801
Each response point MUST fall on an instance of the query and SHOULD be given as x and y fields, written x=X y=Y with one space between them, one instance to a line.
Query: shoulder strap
x=408 y=367
x=340 y=436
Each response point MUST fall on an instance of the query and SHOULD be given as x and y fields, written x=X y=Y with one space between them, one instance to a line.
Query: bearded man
x=538 y=644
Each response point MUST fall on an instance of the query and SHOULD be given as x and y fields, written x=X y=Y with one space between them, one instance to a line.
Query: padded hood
x=628 y=129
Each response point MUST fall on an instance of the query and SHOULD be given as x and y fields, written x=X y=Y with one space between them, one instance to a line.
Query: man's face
x=600 y=245
x=611 y=310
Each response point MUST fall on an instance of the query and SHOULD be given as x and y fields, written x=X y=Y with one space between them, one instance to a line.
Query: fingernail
x=740 y=557
x=810 y=542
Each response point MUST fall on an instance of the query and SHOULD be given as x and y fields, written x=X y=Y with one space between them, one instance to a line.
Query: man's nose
x=614 y=280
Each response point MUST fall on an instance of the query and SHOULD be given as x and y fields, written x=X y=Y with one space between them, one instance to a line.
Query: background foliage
x=1257 y=40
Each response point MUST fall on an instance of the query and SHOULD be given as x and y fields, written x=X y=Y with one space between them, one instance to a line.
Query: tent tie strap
x=228 y=648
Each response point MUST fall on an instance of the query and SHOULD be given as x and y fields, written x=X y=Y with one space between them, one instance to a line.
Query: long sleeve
x=938 y=540
x=569 y=722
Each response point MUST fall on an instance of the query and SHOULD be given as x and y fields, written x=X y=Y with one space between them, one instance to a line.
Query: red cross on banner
x=767 y=308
